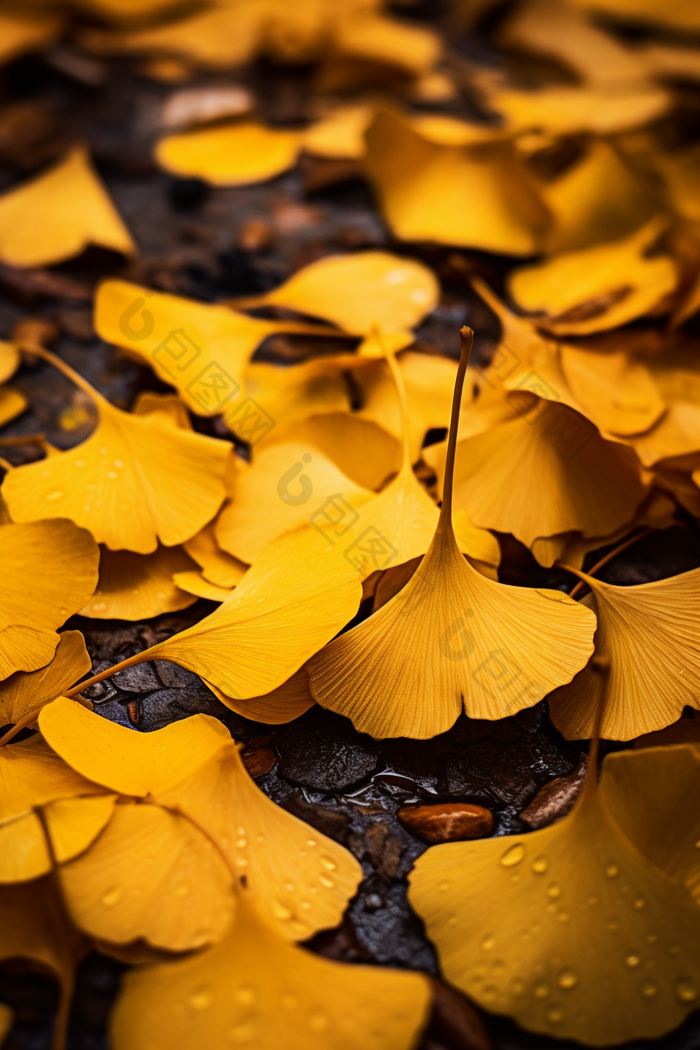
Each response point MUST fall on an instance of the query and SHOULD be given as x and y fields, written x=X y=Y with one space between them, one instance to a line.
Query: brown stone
x=447 y=821
x=259 y=761
x=255 y=234
x=555 y=799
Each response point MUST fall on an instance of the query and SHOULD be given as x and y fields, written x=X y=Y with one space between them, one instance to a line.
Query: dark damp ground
x=341 y=782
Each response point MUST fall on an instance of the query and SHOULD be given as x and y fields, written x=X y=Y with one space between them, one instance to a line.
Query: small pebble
x=447 y=821
x=259 y=761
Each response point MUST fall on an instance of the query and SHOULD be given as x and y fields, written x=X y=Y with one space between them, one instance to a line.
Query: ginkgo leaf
x=124 y=761
x=193 y=583
x=151 y=875
x=254 y=988
x=283 y=704
x=34 y=926
x=362 y=31
x=571 y=110
x=597 y=287
x=24 y=692
x=49 y=571
x=296 y=597
x=450 y=640
x=137 y=479
x=12 y=404
x=199 y=348
x=74 y=823
x=285 y=486
x=138 y=586
x=58 y=214
x=230 y=154
x=340 y=133
x=10 y=360
x=359 y=292
x=617 y=393
x=638 y=627
x=570 y=930
x=545 y=472
x=676 y=13
x=218 y=568
x=427 y=191
x=359 y=447
x=300 y=879
x=295 y=392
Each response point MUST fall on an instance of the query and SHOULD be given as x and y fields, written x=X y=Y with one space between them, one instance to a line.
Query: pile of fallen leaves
x=288 y=499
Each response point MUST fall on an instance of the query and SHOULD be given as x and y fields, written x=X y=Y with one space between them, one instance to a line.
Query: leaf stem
x=445 y=523
x=397 y=376
x=23 y=439
x=603 y=561
x=69 y=372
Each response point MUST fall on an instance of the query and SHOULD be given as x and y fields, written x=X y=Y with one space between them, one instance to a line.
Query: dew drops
x=488 y=943
x=612 y=926
x=562 y=917
x=554 y=891
x=632 y=961
x=328 y=864
x=200 y=998
x=51 y=497
x=79 y=463
x=240 y=831
x=554 y=1015
x=489 y=993
x=539 y=866
x=648 y=989
x=311 y=842
x=241 y=843
x=325 y=881
x=452 y=921
x=289 y=887
x=396 y=276
x=686 y=990
x=516 y=987
x=111 y=896
x=442 y=886
x=112 y=475
x=513 y=856
x=540 y=991
x=318 y=1022
x=245 y=995
x=673 y=948
x=567 y=979
x=241 y=862
x=612 y=871
x=118 y=463
x=639 y=903
x=278 y=909
x=305 y=905
x=182 y=890
x=288 y=1001
x=242 y=1033
x=104 y=451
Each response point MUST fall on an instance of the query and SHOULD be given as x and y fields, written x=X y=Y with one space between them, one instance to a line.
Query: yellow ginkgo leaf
x=200 y=348
x=10 y=360
x=193 y=583
x=595 y=288
x=676 y=435
x=230 y=154
x=451 y=640
x=341 y=133
x=12 y=404
x=283 y=704
x=218 y=568
x=359 y=292
x=638 y=627
x=617 y=393
x=428 y=191
x=137 y=479
x=170 y=404
x=152 y=875
x=286 y=485
x=254 y=988
x=58 y=214
x=676 y=13
x=34 y=926
x=24 y=692
x=359 y=447
x=74 y=823
x=572 y=110
x=545 y=472
x=363 y=32
x=62 y=561
x=570 y=930
x=138 y=586
x=124 y=761
x=300 y=879
x=298 y=595
x=295 y=392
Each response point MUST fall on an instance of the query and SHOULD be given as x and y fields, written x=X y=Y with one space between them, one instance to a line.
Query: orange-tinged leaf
x=59 y=213
x=21 y=34
x=137 y=479
x=24 y=852
x=300 y=592
x=674 y=13
x=283 y=704
x=230 y=154
x=285 y=486
x=571 y=110
x=63 y=561
x=138 y=586
x=359 y=292
x=649 y=634
x=24 y=692
x=598 y=287
x=545 y=472
x=33 y=775
x=300 y=879
x=570 y=930
x=366 y=34
x=12 y=404
x=9 y=360
x=254 y=988
x=152 y=875
x=74 y=823
x=341 y=133
x=200 y=348
x=194 y=584
x=617 y=393
x=295 y=392
x=123 y=760
x=218 y=568
x=428 y=191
